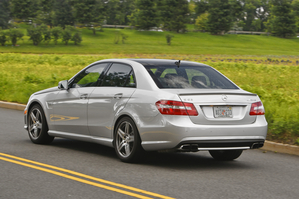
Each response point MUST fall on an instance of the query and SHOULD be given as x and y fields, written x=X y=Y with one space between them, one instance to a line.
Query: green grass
x=148 y=42
x=274 y=81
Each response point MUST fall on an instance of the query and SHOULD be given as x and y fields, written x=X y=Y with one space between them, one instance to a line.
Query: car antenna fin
x=178 y=63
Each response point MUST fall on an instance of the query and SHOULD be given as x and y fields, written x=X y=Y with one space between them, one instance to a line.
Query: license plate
x=223 y=111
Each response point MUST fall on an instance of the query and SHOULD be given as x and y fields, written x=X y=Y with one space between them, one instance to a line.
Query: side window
x=119 y=75
x=90 y=76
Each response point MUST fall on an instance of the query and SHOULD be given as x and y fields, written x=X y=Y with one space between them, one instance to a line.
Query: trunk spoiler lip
x=218 y=93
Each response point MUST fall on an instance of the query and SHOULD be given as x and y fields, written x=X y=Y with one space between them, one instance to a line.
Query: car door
x=70 y=106
x=110 y=98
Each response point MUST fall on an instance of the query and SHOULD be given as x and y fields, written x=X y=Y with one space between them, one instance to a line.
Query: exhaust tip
x=257 y=145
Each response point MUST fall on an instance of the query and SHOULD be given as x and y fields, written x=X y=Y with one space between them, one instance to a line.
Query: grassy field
x=148 y=42
x=274 y=79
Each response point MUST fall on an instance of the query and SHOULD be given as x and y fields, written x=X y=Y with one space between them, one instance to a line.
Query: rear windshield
x=194 y=76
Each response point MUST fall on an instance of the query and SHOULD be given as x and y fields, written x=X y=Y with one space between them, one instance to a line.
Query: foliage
x=90 y=14
x=282 y=21
x=169 y=38
x=77 y=38
x=220 y=17
x=45 y=12
x=124 y=37
x=295 y=6
x=15 y=35
x=201 y=7
x=118 y=12
x=35 y=34
x=67 y=34
x=56 y=33
x=63 y=14
x=173 y=14
x=145 y=15
x=24 y=9
x=4 y=14
x=201 y=22
x=3 y=37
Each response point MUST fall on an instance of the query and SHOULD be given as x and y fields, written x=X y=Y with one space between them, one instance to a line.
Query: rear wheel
x=127 y=142
x=37 y=126
x=226 y=155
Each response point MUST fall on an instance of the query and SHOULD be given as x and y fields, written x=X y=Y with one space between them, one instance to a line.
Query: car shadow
x=172 y=160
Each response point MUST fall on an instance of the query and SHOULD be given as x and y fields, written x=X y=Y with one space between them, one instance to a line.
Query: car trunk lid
x=220 y=107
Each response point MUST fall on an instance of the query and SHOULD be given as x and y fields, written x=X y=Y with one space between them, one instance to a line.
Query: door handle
x=83 y=96
x=118 y=96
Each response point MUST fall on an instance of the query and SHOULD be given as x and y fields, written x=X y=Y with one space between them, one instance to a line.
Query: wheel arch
x=33 y=103
x=118 y=119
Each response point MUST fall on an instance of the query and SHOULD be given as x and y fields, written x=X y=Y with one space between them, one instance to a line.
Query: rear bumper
x=183 y=133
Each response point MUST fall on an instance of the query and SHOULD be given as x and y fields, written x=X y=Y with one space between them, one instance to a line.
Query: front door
x=70 y=106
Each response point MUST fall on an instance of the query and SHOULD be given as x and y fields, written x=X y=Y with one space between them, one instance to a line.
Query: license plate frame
x=223 y=111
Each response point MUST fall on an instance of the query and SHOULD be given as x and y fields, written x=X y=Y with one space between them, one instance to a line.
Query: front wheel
x=127 y=142
x=226 y=155
x=37 y=126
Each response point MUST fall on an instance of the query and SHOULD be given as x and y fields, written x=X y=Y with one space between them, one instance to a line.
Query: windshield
x=188 y=76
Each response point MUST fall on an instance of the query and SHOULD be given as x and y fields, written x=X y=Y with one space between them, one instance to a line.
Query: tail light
x=169 y=107
x=257 y=108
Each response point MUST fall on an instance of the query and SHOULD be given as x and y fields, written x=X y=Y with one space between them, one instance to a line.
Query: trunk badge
x=224 y=97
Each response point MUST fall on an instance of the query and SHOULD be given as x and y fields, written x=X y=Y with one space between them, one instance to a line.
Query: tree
x=89 y=13
x=24 y=9
x=3 y=37
x=63 y=14
x=145 y=15
x=113 y=14
x=15 y=35
x=220 y=16
x=45 y=14
x=4 y=14
x=67 y=34
x=56 y=33
x=77 y=38
x=201 y=22
x=174 y=14
x=282 y=20
x=295 y=6
x=201 y=7
x=35 y=34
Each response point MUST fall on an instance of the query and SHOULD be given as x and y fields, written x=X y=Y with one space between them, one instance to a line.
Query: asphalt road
x=92 y=171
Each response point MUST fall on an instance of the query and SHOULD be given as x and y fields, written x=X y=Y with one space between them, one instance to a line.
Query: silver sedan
x=137 y=105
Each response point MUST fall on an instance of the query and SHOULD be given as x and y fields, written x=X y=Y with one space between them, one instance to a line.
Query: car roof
x=166 y=62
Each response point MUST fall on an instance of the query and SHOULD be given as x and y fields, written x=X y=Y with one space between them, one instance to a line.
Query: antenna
x=178 y=63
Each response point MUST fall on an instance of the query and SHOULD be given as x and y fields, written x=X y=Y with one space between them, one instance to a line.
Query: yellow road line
x=84 y=176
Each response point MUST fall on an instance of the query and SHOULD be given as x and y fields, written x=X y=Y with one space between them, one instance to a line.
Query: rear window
x=192 y=76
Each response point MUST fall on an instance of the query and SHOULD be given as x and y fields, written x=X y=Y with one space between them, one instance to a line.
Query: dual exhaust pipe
x=196 y=147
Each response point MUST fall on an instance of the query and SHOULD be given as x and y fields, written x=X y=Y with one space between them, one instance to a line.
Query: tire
x=226 y=155
x=127 y=143
x=37 y=126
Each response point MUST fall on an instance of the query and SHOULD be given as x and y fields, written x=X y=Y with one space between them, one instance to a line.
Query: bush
x=169 y=38
x=15 y=35
x=124 y=37
x=67 y=34
x=56 y=33
x=3 y=37
x=77 y=38
x=35 y=34
x=46 y=33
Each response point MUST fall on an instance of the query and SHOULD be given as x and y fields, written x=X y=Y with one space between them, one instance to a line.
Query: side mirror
x=63 y=85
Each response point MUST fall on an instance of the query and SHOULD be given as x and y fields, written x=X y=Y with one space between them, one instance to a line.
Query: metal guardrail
x=247 y=32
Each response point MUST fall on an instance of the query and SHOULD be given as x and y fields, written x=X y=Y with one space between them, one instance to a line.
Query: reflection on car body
x=137 y=105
